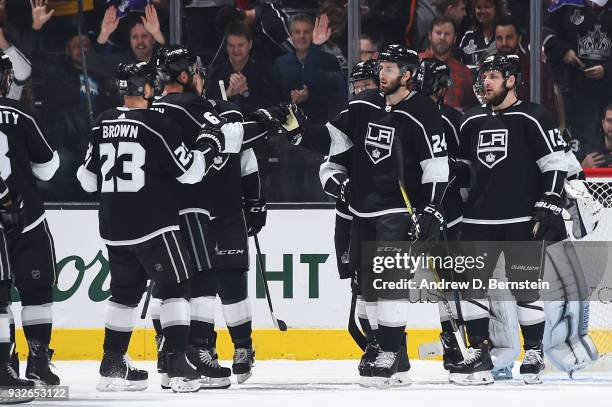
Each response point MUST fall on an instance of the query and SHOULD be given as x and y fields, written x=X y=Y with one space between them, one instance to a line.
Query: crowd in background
x=267 y=52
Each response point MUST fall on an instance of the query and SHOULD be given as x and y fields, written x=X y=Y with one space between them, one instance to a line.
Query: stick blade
x=281 y=325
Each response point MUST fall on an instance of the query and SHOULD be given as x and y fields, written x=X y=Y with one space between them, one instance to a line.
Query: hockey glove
x=12 y=217
x=547 y=219
x=255 y=213
x=429 y=222
x=271 y=118
x=294 y=126
x=211 y=139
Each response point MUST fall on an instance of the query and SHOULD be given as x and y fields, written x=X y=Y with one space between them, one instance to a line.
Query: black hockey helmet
x=131 y=78
x=431 y=76
x=508 y=65
x=6 y=73
x=364 y=70
x=172 y=60
x=405 y=58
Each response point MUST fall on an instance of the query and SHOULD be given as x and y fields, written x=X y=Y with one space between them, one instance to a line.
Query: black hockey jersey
x=135 y=160
x=25 y=155
x=585 y=30
x=473 y=47
x=221 y=192
x=452 y=202
x=508 y=152
x=369 y=127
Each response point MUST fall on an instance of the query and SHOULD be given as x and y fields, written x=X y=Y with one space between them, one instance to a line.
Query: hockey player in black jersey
x=363 y=77
x=11 y=222
x=135 y=158
x=518 y=168
x=433 y=79
x=213 y=215
x=26 y=156
x=363 y=171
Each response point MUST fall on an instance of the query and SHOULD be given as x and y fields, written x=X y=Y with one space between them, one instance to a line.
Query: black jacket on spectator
x=321 y=72
x=262 y=93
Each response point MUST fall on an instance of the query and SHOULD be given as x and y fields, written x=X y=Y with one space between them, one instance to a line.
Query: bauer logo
x=492 y=147
x=378 y=142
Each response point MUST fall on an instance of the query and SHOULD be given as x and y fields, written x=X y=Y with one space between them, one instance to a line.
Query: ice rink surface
x=334 y=383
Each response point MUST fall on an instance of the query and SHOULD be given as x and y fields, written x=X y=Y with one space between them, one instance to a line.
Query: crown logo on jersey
x=490 y=158
x=376 y=153
x=595 y=44
x=219 y=161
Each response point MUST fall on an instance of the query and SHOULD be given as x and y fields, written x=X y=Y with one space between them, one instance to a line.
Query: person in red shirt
x=442 y=36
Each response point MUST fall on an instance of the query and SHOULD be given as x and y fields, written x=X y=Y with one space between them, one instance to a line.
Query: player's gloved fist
x=272 y=118
x=429 y=222
x=547 y=218
x=255 y=213
x=210 y=138
x=12 y=217
x=294 y=125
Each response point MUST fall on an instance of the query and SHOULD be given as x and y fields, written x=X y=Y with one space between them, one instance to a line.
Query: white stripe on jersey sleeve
x=422 y=129
x=542 y=132
x=87 y=179
x=248 y=162
x=196 y=171
x=4 y=192
x=435 y=170
x=339 y=142
x=46 y=171
x=555 y=161
x=328 y=170
x=232 y=111
x=454 y=129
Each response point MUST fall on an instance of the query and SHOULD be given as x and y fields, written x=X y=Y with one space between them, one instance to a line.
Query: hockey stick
x=145 y=306
x=279 y=323
x=447 y=308
x=353 y=329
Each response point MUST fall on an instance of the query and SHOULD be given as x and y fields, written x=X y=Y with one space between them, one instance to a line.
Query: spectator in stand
x=336 y=45
x=309 y=76
x=65 y=109
x=600 y=153
x=508 y=41
x=442 y=36
x=453 y=9
x=145 y=36
x=248 y=83
x=368 y=47
x=480 y=40
x=578 y=41
x=312 y=79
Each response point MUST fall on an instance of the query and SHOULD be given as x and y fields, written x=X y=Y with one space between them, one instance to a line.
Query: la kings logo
x=378 y=142
x=492 y=147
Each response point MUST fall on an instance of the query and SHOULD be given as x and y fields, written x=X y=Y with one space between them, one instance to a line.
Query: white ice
x=333 y=383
